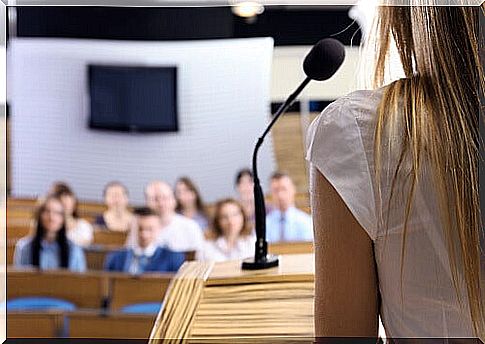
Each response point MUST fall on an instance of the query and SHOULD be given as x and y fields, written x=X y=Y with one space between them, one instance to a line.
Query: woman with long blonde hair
x=395 y=186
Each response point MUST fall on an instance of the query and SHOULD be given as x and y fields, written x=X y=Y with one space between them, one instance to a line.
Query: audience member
x=230 y=237
x=178 y=232
x=147 y=255
x=245 y=189
x=285 y=222
x=79 y=231
x=48 y=247
x=189 y=202
x=117 y=216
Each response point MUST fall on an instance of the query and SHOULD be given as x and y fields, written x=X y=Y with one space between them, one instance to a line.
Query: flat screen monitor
x=130 y=98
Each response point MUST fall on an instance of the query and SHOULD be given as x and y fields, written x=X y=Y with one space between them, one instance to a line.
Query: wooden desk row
x=96 y=255
x=79 y=324
x=100 y=237
x=88 y=290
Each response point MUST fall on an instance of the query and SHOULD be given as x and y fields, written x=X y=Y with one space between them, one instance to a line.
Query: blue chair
x=39 y=303
x=142 y=308
x=36 y=303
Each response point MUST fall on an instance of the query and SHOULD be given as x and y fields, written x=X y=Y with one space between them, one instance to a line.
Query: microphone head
x=324 y=59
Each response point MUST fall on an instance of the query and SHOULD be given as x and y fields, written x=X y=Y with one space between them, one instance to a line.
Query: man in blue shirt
x=146 y=255
x=285 y=222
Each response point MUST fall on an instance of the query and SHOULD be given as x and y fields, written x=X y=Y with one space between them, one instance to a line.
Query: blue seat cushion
x=39 y=303
x=142 y=308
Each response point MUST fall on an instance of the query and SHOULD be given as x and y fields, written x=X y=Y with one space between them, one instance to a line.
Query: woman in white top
x=79 y=231
x=190 y=203
x=395 y=187
x=230 y=237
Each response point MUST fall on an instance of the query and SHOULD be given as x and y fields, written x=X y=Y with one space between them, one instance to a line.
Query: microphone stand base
x=270 y=261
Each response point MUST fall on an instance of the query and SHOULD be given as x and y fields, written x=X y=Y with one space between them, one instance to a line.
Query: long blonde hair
x=435 y=111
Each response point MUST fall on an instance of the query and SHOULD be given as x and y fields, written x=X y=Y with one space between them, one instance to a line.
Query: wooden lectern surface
x=292 y=268
x=207 y=302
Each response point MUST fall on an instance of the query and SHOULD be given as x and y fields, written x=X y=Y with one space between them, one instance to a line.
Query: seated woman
x=230 y=238
x=117 y=216
x=189 y=202
x=49 y=247
x=146 y=256
x=244 y=185
x=79 y=231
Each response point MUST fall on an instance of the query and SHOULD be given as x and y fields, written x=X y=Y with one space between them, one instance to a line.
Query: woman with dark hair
x=230 y=236
x=244 y=185
x=79 y=231
x=395 y=202
x=189 y=202
x=117 y=216
x=49 y=247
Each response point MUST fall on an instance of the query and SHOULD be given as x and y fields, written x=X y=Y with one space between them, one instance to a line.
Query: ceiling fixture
x=247 y=9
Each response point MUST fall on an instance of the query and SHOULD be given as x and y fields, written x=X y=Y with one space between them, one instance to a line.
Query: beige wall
x=288 y=73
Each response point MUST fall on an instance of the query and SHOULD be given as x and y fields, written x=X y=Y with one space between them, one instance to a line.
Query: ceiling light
x=247 y=9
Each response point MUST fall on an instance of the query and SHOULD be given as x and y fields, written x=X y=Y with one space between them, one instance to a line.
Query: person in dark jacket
x=146 y=256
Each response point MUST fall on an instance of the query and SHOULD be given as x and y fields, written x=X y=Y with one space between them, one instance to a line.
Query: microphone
x=323 y=60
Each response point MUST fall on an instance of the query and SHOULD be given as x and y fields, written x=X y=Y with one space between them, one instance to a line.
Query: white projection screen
x=223 y=106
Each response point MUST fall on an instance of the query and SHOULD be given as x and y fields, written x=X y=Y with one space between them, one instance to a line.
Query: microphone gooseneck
x=321 y=63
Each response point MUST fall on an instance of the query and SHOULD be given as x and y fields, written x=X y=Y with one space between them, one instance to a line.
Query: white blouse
x=218 y=250
x=340 y=145
x=82 y=235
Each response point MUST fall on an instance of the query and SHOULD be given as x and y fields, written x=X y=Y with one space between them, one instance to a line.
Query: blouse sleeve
x=336 y=149
x=77 y=261
x=22 y=256
x=85 y=233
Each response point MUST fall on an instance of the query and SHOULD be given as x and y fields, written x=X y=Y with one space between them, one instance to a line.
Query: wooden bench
x=82 y=324
x=125 y=290
x=47 y=324
x=86 y=290
x=91 y=324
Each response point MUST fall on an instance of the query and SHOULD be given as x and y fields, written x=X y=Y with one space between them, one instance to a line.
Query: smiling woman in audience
x=189 y=202
x=79 y=231
x=117 y=216
x=230 y=238
x=49 y=247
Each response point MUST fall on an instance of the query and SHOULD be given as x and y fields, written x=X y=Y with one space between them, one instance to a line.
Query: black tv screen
x=127 y=98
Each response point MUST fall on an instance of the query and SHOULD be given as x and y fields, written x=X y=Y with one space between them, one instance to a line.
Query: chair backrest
x=96 y=255
x=87 y=290
x=127 y=290
x=105 y=237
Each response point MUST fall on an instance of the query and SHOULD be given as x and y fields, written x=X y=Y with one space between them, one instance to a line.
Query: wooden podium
x=220 y=302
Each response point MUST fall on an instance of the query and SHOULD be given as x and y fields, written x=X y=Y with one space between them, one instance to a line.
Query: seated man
x=178 y=233
x=146 y=255
x=285 y=222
